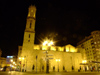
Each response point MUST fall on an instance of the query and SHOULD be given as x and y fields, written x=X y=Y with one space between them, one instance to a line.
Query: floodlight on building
x=48 y=43
x=51 y=42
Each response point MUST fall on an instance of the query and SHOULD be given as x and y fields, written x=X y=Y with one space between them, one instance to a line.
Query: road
x=56 y=73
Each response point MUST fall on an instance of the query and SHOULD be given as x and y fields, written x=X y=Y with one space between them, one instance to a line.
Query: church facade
x=61 y=58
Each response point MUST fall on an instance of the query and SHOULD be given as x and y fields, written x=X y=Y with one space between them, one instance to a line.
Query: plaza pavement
x=61 y=72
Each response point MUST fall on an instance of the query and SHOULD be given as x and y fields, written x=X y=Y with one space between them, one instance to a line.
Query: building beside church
x=33 y=56
x=90 y=48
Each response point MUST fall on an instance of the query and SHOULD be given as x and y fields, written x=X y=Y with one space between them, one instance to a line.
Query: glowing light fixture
x=57 y=59
x=84 y=61
x=48 y=43
x=23 y=58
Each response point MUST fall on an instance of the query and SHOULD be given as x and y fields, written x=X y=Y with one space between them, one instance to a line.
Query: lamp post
x=58 y=60
x=47 y=43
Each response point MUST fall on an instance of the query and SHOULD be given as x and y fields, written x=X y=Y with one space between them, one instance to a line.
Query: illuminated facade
x=90 y=47
x=34 y=54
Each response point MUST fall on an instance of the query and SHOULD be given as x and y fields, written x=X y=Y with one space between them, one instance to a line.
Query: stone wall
x=67 y=60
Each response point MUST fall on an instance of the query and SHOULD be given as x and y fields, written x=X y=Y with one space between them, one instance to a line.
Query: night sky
x=66 y=21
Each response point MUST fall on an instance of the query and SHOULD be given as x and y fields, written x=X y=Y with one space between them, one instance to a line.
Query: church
x=34 y=57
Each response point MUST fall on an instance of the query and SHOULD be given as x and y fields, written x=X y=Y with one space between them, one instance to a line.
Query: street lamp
x=58 y=60
x=47 y=43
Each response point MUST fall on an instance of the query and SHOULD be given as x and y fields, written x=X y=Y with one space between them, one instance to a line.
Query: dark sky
x=66 y=21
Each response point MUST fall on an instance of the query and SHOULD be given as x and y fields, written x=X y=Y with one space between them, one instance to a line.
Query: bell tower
x=29 y=33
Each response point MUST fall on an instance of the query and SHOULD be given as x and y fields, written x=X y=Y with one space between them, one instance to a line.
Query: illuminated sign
x=9 y=56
